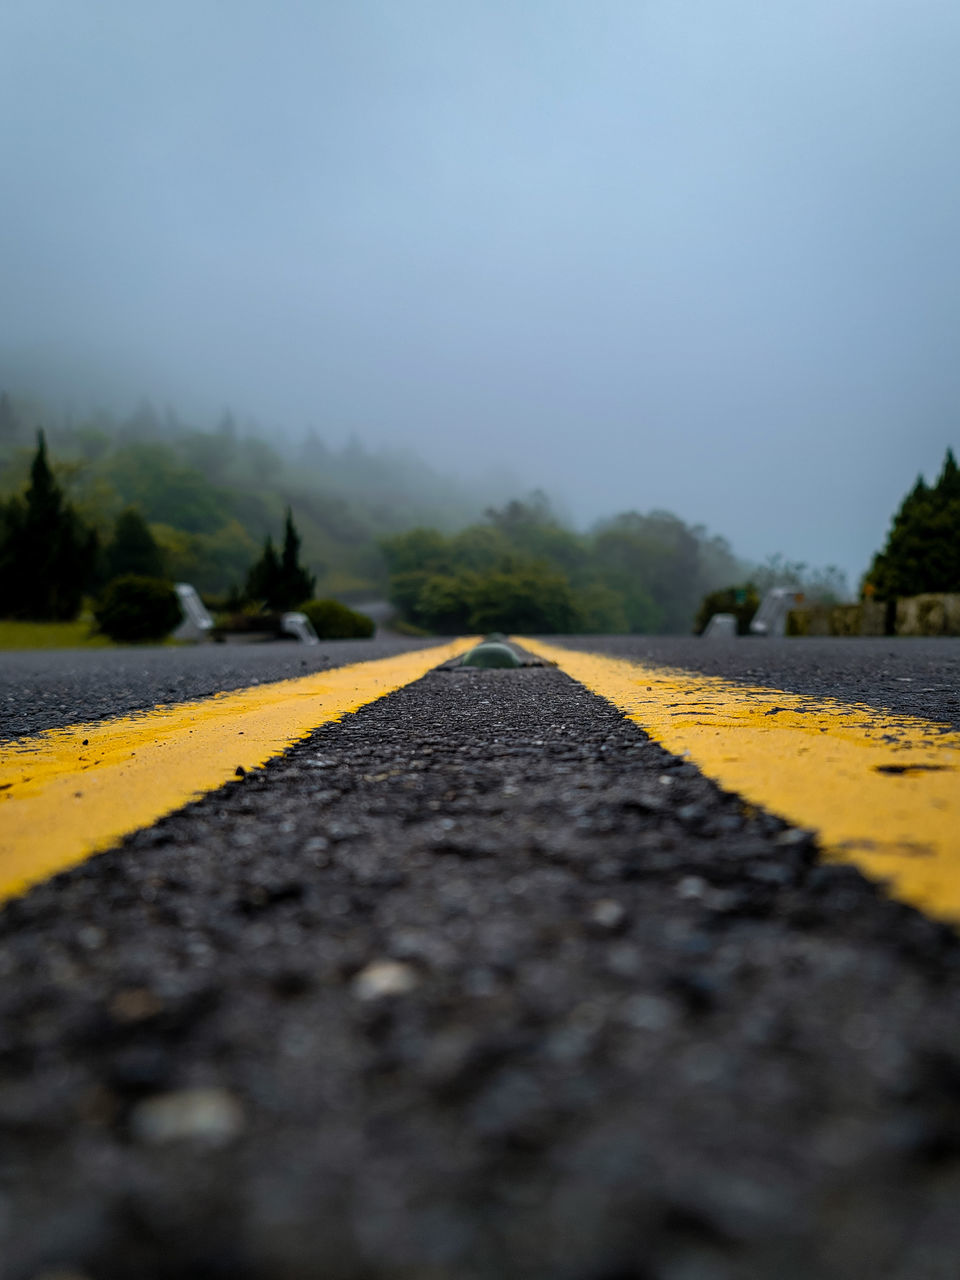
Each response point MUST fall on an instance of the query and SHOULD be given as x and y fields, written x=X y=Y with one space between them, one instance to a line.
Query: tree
x=922 y=551
x=280 y=582
x=133 y=548
x=134 y=609
x=263 y=575
x=295 y=584
x=743 y=602
x=47 y=554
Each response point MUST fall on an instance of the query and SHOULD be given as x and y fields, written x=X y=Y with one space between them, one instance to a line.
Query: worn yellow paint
x=881 y=790
x=68 y=793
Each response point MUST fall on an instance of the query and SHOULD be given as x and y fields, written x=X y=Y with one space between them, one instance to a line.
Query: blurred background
x=665 y=297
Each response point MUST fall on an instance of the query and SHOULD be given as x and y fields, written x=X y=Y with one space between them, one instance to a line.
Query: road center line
x=68 y=793
x=881 y=790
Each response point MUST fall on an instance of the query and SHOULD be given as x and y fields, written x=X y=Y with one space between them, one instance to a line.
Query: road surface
x=481 y=981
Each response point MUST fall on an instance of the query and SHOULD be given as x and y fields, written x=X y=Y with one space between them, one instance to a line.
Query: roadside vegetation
x=89 y=502
x=921 y=557
x=922 y=551
x=52 y=562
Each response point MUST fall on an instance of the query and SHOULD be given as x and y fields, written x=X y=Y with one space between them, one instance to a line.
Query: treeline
x=521 y=569
x=210 y=497
x=207 y=502
x=52 y=563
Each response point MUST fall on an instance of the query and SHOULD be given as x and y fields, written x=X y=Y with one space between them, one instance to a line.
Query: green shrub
x=334 y=621
x=133 y=608
x=742 y=602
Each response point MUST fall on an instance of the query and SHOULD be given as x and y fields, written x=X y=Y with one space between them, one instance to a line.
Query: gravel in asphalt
x=478 y=983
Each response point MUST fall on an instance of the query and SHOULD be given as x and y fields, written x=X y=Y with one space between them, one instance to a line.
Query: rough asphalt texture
x=916 y=677
x=45 y=689
x=477 y=983
x=48 y=688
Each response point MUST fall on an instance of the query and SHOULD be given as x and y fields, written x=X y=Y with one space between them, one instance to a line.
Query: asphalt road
x=47 y=688
x=919 y=677
x=477 y=983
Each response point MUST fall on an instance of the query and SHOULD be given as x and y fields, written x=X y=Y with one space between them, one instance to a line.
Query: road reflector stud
x=491 y=653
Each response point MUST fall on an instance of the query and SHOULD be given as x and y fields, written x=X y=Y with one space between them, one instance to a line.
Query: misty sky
x=693 y=254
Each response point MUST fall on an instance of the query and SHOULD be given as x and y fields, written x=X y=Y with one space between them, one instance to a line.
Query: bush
x=742 y=602
x=334 y=621
x=133 y=608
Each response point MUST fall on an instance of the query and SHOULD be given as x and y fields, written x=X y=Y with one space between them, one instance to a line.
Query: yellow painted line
x=881 y=790
x=68 y=793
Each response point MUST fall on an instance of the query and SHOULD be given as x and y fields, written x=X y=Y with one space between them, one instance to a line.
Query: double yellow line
x=880 y=790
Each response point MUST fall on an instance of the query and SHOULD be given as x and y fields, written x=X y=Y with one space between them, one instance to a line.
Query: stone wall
x=926 y=615
x=929 y=615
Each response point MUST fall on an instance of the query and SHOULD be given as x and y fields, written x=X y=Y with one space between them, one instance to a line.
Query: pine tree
x=264 y=575
x=280 y=582
x=296 y=584
x=47 y=555
x=922 y=552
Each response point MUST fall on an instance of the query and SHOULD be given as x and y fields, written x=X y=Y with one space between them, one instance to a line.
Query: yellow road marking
x=68 y=793
x=881 y=790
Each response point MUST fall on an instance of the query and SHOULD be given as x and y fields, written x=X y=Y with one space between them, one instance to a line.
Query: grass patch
x=51 y=635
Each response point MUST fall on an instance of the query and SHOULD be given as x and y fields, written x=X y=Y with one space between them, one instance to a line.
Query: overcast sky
x=693 y=254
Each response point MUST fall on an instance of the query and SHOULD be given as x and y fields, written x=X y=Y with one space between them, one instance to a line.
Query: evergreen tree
x=133 y=549
x=47 y=555
x=281 y=582
x=296 y=584
x=922 y=551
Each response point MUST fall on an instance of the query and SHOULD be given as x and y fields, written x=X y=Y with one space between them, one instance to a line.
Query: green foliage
x=47 y=554
x=531 y=598
x=151 y=477
x=134 y=608
x=534 y=599
x=334 y=621
x=522 y=570
x=210 y=497
x=132 y=549
x=295 y=583
x=264 y=575
x=922 y=552
x=743 y=602
x=210 y=561
x=280 y=582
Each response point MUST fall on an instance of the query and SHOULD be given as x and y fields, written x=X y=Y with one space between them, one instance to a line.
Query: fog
x=693 y=254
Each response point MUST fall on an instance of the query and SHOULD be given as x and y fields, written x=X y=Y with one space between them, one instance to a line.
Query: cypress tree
x=48 y=556
x=280 y=581
x=296 y=584
x=264 y=575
